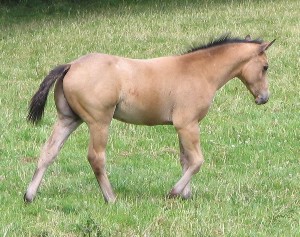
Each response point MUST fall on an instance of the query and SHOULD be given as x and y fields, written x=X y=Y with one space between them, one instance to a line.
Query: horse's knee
x=91 y=156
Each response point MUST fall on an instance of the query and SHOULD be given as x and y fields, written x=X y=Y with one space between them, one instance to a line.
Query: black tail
x=38 y=101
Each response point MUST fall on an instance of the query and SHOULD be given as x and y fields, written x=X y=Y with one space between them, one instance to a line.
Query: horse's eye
x=266 y=67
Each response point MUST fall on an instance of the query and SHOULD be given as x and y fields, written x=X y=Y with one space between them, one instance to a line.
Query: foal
x=175 y=90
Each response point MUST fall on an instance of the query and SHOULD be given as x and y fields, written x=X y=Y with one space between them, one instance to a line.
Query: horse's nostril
x=260 y=100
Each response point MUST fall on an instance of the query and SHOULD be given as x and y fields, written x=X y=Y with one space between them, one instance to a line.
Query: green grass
x=249 y=184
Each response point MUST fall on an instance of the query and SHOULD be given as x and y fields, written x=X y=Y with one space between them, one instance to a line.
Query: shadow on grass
x=17 y=11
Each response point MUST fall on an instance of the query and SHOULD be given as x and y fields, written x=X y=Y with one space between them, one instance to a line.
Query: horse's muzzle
x=262 y=99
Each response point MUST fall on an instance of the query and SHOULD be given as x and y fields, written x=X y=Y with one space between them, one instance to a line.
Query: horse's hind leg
x=97 y=158
x=66 y=123
x=62 y=129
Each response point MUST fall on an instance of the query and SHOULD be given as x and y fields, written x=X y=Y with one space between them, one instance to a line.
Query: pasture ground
x=249 y=183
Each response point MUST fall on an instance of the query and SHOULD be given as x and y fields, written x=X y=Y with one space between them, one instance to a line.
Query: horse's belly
x=141 y=116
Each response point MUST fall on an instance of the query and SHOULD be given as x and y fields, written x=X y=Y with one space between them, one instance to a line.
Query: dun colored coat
x=175 y=90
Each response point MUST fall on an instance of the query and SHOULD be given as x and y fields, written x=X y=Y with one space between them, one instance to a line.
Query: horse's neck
x=221 y=64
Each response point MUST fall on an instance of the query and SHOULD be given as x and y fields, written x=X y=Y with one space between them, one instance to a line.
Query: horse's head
x=254 y=73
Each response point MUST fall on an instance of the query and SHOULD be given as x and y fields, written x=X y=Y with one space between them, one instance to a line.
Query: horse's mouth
x=261 y=99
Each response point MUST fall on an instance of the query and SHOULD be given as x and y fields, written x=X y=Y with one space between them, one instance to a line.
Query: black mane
x=224 y=39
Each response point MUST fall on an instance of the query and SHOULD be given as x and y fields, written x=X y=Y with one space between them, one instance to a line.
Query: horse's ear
x=266 y=45
x=248 y=38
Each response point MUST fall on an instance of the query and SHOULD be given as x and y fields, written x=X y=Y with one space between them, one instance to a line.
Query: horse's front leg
x=186 y=193
x=191 y=158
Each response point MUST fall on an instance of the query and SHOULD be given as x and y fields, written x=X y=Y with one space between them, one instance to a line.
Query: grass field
x=249 y=183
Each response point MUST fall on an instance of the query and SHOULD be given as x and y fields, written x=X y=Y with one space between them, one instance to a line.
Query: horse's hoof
x=186 y=196
x=27 y=199
x=172 y=194
x=110 y=200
